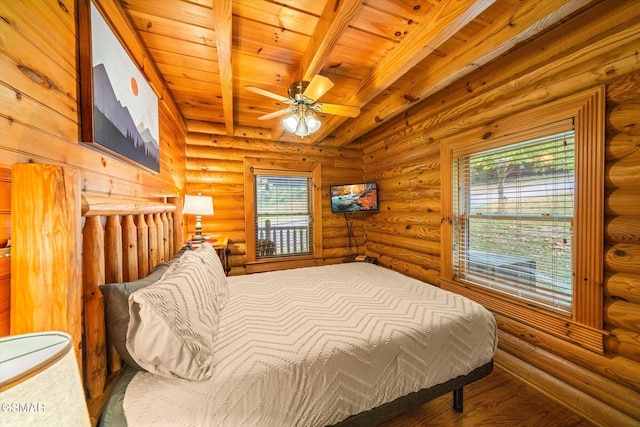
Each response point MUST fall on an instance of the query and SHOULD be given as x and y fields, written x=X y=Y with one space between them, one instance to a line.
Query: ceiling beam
x=210 y=128
x=222 y=24
x=335 y=19
x=333 y=22
x=525 y=23
x=446 y=20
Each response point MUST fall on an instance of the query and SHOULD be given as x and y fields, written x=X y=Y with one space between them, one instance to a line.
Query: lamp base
x=198 y=237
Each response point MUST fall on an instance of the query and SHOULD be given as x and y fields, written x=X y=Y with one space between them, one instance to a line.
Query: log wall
x=39 y=119
x=598 y=46
x=215 y=168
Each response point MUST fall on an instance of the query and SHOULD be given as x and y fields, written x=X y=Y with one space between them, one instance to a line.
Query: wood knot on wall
x=36 y=77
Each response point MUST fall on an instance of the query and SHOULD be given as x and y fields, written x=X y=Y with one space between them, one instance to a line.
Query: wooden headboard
x=65 y=244
x=122 y=241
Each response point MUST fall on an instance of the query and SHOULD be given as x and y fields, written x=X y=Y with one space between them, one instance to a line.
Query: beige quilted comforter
x=309 y=347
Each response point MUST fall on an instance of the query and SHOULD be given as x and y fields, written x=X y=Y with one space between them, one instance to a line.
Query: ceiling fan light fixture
x=302 y=129
x=302 y=122
x=303 y=95
x=291 y=122
x=296 y=89
x=312 y=122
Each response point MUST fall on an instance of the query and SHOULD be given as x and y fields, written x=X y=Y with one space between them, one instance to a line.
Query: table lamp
x=198 y=205
x=40 y=381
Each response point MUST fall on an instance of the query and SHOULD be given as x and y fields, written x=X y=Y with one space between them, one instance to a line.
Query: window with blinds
x=513 y=210
x=523 y=217
x=283 y=215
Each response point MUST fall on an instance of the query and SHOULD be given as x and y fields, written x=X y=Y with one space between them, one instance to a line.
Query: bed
x=347 y=321
x=344 y=344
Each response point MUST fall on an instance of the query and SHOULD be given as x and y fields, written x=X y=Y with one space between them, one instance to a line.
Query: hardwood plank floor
x=500 y=399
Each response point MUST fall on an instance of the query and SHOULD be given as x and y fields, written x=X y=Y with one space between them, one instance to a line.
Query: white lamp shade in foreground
x=40 y=382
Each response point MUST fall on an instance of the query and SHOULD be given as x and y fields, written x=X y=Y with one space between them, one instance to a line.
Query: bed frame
x=123 y=241
x=404 y=404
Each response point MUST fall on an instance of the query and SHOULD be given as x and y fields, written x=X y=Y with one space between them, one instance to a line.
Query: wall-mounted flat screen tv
x=354 y=197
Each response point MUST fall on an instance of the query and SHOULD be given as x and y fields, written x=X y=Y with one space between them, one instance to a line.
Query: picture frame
x=118 y=106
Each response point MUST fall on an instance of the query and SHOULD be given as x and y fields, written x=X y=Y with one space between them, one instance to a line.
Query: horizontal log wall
x=598 y=46
x=215 y=168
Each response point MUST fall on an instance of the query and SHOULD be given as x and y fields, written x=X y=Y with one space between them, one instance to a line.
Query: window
x=283 y=208
x=512 y=216
x=523 y=217
x=284 y=215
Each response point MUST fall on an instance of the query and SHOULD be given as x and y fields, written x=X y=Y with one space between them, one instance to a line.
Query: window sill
x=546 y=321
x=281 y=264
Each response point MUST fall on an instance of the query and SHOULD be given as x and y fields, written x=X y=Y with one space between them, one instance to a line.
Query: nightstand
x=221 y=245
x=360 y=258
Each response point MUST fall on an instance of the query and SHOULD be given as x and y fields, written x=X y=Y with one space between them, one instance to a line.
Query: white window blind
x=513 y=209
x=284 y=215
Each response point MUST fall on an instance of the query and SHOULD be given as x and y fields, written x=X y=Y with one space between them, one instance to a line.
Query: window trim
x=256 y=166
x=587 y=109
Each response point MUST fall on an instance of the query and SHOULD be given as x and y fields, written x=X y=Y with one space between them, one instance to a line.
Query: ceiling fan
x=303 y=102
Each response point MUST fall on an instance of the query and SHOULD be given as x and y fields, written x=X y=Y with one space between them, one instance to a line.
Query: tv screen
x=354 y=197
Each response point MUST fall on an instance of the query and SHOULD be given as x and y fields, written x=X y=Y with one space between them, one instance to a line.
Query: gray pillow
x=113 y=412
x=173 y=322
x=116 y=304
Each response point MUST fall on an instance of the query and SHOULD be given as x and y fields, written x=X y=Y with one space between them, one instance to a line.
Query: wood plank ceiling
x=382 y=55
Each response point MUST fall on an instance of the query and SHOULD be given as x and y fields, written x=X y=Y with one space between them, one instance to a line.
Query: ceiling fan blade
x=266 y=93
x=318 y=86
x=274 y=114
x=338 y=110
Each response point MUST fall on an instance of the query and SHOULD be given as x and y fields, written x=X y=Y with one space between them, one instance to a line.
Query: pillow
x=113 y=411
x=173 y=322
x=116 y=302
x=214 y=268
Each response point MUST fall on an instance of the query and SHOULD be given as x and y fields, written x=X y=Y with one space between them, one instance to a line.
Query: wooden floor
x=500 y=399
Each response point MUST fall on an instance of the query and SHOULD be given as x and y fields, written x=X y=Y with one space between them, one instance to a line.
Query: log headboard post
x=142 y=234
x=93 y=264
x=129 y=249
x=46 y=278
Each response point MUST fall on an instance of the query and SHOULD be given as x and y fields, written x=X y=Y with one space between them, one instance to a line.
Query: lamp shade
x=291 y=123
x=312 y=122
x=40 y=382
x=302 y=122
x=302 y=129
x=198 y=205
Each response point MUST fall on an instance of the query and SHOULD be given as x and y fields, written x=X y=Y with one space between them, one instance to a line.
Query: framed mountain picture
x=119 y=109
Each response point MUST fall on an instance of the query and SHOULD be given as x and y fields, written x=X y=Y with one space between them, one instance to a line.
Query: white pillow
x=216 y=270
x=174 y=321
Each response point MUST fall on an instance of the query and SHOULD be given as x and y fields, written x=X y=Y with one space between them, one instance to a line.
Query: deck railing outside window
x=282 y=240
x=283 y=218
